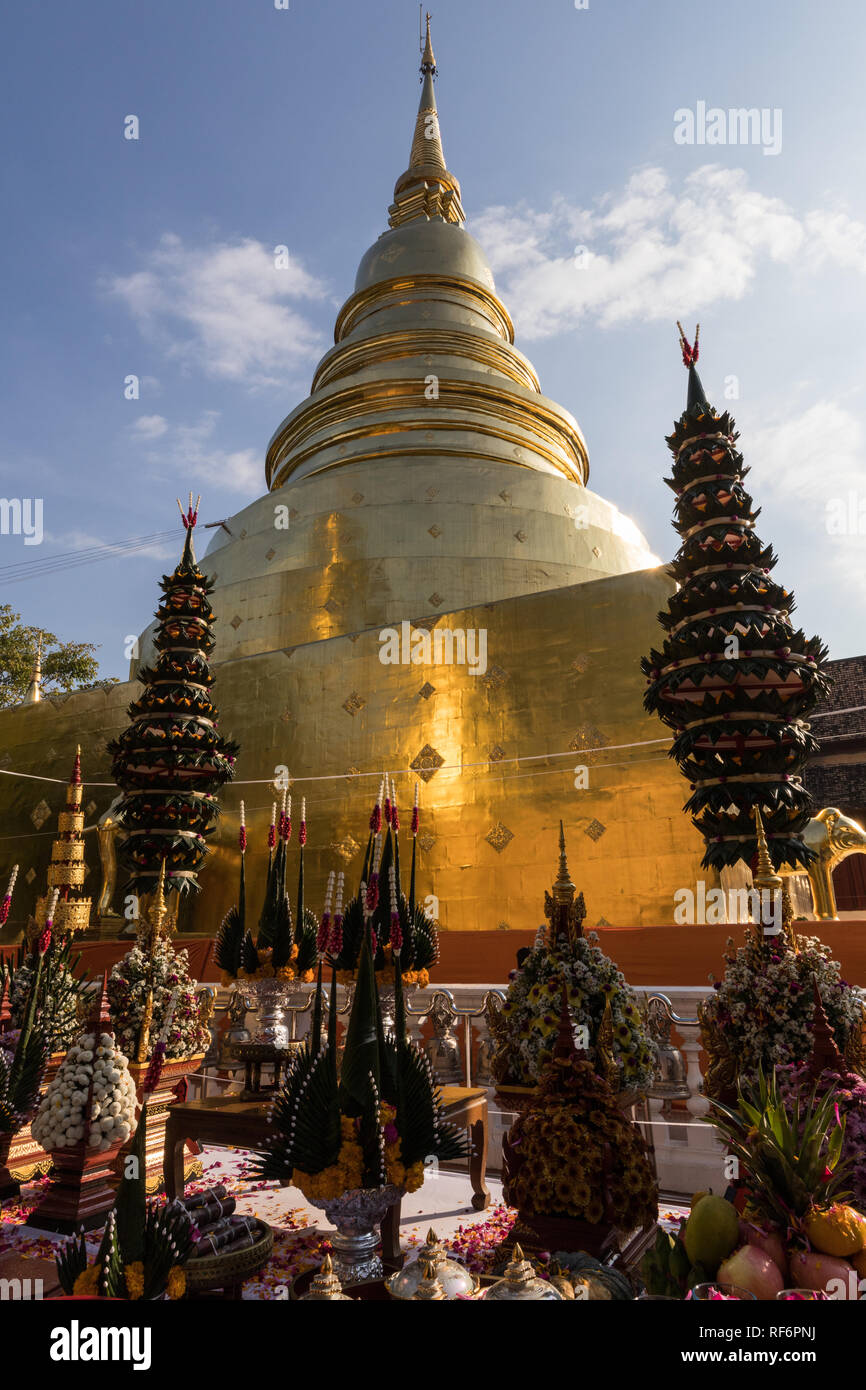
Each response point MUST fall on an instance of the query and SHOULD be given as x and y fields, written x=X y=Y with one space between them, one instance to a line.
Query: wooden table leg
x=392 y=1255
x=172 y=1163
x=478 y=1164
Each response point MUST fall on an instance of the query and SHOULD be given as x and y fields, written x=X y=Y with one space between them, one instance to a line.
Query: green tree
x=65 y=665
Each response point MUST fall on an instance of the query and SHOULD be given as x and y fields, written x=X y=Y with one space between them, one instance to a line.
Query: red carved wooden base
x=26 y=1159
x=81 y=1190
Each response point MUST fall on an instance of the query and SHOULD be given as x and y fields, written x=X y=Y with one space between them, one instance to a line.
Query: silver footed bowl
x=357 y=1215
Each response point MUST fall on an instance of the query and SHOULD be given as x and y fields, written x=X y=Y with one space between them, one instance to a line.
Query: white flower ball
x=93 y=1139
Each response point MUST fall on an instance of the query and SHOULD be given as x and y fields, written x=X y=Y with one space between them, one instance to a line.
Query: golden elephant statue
x=833 y=837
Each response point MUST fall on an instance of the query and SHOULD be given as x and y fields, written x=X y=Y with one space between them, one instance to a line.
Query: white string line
x=445 y=767
x=413 y=772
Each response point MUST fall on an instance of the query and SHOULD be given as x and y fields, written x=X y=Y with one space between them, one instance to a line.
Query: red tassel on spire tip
x=690 y=353
x=189 y=517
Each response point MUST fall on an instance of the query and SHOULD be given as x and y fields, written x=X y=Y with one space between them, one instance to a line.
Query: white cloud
x=652 y=252
x=811 y=468
x=226 y=309
x=188 y=456
x=150 y=426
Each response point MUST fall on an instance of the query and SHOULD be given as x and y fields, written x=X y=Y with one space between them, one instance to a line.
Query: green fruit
x=712 y=1231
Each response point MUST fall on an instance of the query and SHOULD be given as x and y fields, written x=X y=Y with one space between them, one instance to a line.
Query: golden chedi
x=429 y=586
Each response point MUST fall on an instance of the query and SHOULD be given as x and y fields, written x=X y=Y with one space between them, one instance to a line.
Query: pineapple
x=791 y=1164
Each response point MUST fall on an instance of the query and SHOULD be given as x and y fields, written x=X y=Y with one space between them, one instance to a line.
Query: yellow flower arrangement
x=134 y=1276
x=176 y=1286
x=87 y=1283
x=348 y=1172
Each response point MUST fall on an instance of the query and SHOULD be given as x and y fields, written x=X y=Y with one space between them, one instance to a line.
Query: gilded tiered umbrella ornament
x=67 y=870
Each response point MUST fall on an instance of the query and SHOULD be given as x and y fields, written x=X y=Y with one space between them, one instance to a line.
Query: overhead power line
x=87 y=555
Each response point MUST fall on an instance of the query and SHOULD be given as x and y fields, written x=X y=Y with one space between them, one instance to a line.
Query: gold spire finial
x=158 y=909
x=428 y=62
x=34 y=690
x=326 y=1286
x=430 y=1288
x=765 y=875
x=426 y=189
x=153 y=918
x=764 y=879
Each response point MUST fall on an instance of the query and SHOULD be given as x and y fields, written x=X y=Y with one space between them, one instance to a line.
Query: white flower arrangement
x=60 y=1012
x=764 y=1007
x=61 y=1120
x=166 y=972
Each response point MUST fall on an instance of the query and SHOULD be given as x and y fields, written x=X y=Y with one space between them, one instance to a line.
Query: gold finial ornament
x=454 y=1278
x=563 y=888
x=428 y=62
x=564 y=912
x=430 y=1289
x=326 y=1287
x=520 y=1282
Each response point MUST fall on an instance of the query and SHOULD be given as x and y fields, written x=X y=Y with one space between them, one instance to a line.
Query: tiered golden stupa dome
x=425 y=471
x=67 y=870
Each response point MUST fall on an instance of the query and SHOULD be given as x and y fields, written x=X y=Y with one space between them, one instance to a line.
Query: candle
x=396 y=932
x=7 y=901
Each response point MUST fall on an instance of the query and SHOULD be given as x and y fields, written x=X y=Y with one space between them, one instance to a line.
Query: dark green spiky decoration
x=23 y=1065
x=395 y=919
x=143 y=1244
x=319 y=1100
x=282 y=946
x=734 y=679
x=171 y=760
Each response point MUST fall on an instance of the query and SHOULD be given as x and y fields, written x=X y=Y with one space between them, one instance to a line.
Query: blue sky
x=261 y=127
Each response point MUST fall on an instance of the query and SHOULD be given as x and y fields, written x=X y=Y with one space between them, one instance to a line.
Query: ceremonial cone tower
x=171 y=761
x=734 y=679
